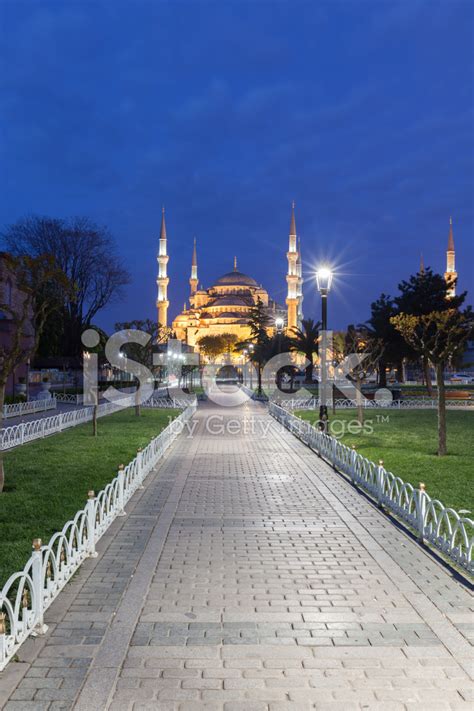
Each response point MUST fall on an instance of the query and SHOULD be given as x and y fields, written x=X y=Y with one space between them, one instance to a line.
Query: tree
x=368 y=351
x=259 y=322
x=85 y=252
x=438 y=337
x=143 y=354
x=305 y=340
x=258 y=345
x=258 y=353
x=25 y=313
x=381 y=328
x=228 y=341
x=214 y=345
x=425 y=293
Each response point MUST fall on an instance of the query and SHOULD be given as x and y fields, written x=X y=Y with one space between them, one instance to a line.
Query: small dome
x=236 y=278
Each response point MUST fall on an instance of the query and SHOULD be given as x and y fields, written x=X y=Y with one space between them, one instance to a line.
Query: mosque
x=225 y=306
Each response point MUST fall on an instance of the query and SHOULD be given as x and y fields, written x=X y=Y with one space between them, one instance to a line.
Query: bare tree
x=144 y=354
x=85 y=252
x=369 y=350
x=22 y=279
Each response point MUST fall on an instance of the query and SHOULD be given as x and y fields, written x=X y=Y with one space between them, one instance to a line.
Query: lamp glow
x=324 y=280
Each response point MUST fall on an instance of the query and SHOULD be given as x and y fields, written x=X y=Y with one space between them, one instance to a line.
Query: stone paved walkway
x=249 y=575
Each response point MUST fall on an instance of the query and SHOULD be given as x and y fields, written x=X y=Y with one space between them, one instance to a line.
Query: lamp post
x=279 y=323
x=251 y=349
x=323 y=281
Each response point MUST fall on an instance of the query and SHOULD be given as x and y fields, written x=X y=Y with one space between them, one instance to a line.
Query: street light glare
x=324 y=273
x=324 y=279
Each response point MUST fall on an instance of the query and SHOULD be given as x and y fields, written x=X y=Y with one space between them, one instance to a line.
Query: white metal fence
x=441 y=526
x=27 y=594
x=27 y=431
x=68 y=399
x=347 y=404
x=35 y=429
x=170 y=402
x=18 y=409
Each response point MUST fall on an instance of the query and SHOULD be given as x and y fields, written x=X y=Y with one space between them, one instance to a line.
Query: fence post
x=22 y=433
x=121 y=491
x=3 y=644
x=38 y=587
x=333 y=452
x=353 y=463
x=421 y=511
x=380 y=471
x=90 y=507
x=140 y=468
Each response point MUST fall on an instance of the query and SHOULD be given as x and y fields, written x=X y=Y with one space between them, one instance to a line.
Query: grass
x=46 y=481
x=407 y=442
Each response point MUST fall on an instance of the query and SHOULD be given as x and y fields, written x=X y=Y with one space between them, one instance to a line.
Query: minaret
x=299 y=271
x=162 y=280
x=235 y=264
x=451 y=274
x=292 y=276
x=193 y=281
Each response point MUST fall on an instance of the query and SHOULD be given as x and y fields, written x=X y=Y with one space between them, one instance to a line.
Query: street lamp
x=323 y=281
x=279 y=323
x=244 y=366
x=251 y=350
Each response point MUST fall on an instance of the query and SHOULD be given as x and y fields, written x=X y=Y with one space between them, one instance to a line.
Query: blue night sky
x=362 y=112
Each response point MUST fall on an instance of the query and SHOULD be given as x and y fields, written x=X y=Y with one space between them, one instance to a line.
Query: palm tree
x=305 y=340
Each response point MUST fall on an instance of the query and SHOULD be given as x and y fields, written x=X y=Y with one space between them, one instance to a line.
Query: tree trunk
x=360 y=407
x=259 y=376
x=382 y=374
x=308 y=378
x=400 y=372
x=137 y=403
x=427 y=376
x=94 y=421
x=2 y=402
x=442 y=449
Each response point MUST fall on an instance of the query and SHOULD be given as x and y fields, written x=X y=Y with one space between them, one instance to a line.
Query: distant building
x=11 y=306
x=225 y=306
x=451 y=274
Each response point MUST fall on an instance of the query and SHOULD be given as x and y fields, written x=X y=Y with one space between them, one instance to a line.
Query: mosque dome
x=236 y=278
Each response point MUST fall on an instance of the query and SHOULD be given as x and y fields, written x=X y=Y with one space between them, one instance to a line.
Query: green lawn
x=407 y=443
x=47 y=481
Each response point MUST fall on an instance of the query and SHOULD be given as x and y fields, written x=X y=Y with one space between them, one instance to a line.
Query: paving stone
x=274 y=585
